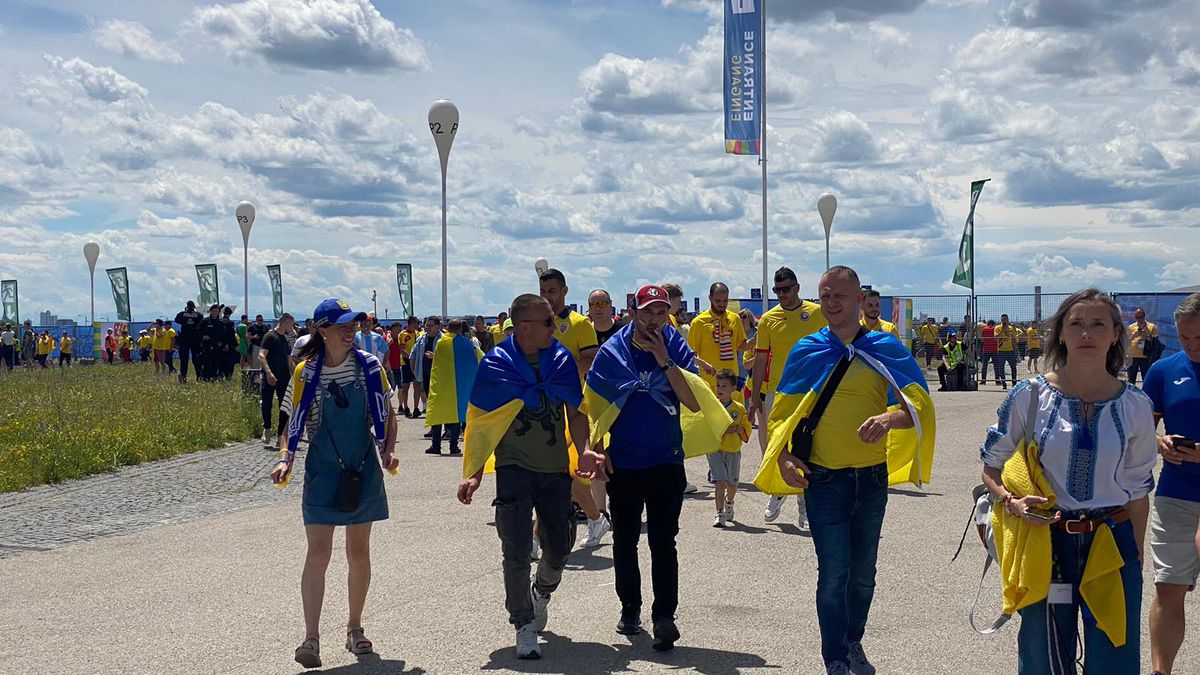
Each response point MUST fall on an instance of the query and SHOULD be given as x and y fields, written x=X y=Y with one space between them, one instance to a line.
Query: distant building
x=47 y=319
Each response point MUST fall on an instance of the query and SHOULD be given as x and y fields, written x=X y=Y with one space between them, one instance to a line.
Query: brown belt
x=1089 y=525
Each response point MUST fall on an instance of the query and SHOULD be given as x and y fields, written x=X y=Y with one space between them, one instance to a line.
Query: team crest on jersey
x=804 y=316
x=563 y=328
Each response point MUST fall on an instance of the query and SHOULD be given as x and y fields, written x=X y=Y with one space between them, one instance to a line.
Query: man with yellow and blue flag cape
x=525 y=396
x=642 y=391
x=455 y=360
x=877 y=430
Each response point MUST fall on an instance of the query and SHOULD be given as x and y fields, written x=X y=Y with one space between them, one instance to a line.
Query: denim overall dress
x=343 y=433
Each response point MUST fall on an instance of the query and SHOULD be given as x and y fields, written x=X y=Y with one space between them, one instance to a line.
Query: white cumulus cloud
x=134 y=40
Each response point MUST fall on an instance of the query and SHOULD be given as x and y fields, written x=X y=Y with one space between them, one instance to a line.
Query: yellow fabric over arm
x=483 y=435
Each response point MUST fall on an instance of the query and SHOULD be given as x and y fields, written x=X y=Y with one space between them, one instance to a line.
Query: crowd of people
x=590 y=418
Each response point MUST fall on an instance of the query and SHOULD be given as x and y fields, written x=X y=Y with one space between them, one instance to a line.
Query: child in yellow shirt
x=725 y=465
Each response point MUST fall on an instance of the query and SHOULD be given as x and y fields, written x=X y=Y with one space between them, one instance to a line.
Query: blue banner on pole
x=742 y=83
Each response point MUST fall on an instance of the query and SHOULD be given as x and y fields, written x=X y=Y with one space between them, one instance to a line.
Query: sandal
x=309 y=656
x=360 y=646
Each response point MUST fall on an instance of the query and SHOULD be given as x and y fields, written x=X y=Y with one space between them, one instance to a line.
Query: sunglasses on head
x=780 y=290
x=548 y=323
x=339 y=396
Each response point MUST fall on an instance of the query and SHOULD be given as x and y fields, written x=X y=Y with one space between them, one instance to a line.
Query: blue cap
x=335 y=311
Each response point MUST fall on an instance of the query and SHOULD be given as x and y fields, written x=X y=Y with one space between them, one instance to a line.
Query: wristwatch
x=669 y=365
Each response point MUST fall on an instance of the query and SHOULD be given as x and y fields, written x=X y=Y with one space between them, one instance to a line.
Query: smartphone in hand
x=1185 y=444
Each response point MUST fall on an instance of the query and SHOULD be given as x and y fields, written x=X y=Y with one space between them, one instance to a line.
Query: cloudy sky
x=591 y=135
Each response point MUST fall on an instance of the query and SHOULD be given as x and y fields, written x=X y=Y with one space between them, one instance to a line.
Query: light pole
x=443 y=124
x=375 y=305
x=245 y=218
x=827 y=206
x=91 y=253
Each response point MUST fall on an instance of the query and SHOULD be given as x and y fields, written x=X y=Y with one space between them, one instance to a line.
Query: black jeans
x=520 y=492
x=958 y=376
x=452 y=430
x=188 y=353
x=8 y=355
x=272 y=398
x=998 y=361
x=659 y=491
x=1135 y=364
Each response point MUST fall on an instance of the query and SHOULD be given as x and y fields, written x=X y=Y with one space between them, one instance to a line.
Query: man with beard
x=870 y=315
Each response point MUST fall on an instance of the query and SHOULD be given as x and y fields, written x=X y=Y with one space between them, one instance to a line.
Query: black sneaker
x=433 y=450
x=455 y=451
x=629 y=625
x=428 y=434
x=665 y=635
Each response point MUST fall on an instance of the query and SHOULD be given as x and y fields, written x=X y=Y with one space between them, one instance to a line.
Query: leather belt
x=1090 y=525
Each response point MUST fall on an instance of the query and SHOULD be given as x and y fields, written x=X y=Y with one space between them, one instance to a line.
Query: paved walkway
x=214 y=588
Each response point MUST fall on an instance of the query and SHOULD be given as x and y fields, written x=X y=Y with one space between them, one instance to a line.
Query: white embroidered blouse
x=1099 y=463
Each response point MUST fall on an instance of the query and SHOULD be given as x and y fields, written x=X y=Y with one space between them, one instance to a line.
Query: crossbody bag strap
x=831 y=385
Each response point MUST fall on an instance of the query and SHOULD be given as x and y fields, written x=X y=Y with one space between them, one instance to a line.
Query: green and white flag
x=210 y=292
x=119 y=278
x=964 y=273
x=276 y=275
x=404 y=285
x=8 y=301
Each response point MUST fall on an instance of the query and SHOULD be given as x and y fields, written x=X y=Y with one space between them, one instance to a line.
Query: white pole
x=91 y=253
x=443 y=124
x=245 y=218
x=762 y=151
x=445 y=274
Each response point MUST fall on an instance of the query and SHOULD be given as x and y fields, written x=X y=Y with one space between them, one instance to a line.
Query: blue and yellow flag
x=455 y=360
x=506 y=383
x=809 y=365
x=613 y=378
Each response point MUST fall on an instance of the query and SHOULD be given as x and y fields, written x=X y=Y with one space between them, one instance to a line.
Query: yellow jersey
x=861 y=394
x=65 y=345
x=1006 y=337
x=145 y=342
x=125 y=343
x=929 y=334
x=716 y=339
x=778 y=331
x=737 y=412
x=575 y=332
x=1034 y=337
x=45 y=346
x=880 y=325
x=164 y=339
x=406 y=340
x=1137 y=339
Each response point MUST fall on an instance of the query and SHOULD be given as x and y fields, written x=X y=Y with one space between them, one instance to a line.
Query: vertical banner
x=276 y=275
x=964 y=272
x=8 y=301
x=404 y=285
x=742 y=82
x=119 y=278
x=210 y=293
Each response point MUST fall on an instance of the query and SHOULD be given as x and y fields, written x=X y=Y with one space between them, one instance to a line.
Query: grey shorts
x=726 y=466
x=1173 y=547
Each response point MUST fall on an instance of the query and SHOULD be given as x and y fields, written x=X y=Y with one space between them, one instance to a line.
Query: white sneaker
x=534 y=552
x=729 y=512
x=267 y=441
x=802 y=515
x=541 y=608
x=774 y=506
x=719 y=521
x=527 y=643
x=596 y=529
x=690 y=489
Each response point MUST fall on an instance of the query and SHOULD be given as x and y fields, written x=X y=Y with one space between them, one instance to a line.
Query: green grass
x=63 y=425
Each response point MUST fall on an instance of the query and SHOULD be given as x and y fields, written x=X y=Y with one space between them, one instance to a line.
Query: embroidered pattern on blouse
x=1081 y=469
x=1004 y=414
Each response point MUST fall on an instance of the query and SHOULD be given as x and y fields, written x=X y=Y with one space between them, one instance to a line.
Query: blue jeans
x=845 y=512
x=1034 y=653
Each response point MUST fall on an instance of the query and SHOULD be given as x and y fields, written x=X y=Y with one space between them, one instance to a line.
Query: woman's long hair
x=314 y=346
x=1056 y=350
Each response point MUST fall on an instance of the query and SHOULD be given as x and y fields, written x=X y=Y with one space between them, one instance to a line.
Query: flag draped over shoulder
x=504 y=384
x=455 y=360
x=613 y=378
x=809 y=365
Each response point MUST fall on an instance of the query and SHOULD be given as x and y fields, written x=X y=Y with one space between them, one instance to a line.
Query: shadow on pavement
x=586 y=559
x=372 y=664
x=795 y=529
x=563 y=655
x=912 y=493
x=742 y=527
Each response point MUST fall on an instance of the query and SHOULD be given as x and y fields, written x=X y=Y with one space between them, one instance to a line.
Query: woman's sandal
x=360 y=646
x=308 y=654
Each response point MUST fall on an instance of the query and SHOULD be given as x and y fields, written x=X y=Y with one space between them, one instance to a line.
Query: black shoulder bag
x=802 y=437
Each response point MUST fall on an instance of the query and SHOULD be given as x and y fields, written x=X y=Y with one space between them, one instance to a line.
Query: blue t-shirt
x=646 y=434
x=1173 y=385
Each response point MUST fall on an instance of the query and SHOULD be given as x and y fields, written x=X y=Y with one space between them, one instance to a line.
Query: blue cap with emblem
x=335 y=311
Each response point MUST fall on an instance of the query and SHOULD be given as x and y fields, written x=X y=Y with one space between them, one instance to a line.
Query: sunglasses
x=548 y=323
x=339 y=396
x=780 y=290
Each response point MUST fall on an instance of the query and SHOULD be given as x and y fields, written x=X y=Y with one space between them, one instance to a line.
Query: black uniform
x=212 y=348
x=229 y=354
x=188 y=341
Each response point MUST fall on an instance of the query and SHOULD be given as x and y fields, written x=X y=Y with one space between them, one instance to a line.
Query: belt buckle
x=1084 y=523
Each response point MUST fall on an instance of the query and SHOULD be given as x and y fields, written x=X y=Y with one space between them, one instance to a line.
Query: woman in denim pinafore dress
x=334 y=407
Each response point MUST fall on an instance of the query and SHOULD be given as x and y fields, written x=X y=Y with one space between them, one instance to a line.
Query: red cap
x=648 y=295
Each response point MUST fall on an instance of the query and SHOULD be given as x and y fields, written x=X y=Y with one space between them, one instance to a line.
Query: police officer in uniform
x=212 y=340
x=189 y=339
x=229 y=353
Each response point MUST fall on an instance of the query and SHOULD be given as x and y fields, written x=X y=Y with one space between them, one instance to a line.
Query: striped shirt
x=372 y=343
x=343 y=374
